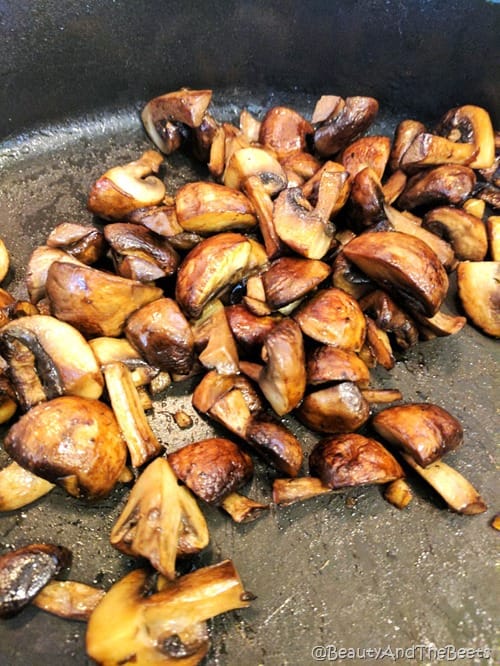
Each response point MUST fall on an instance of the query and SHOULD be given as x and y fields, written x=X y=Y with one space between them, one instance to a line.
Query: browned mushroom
x=163 y=115
x=493 y=232
x=390 y=318
x=445 y=185
x=19 y=487
x=4 y=260
x=352 y=460
x=248 y=329
x=24 y=572
x=160 y=521
x=425 y=431
x=283 y=379
x=430 y=149
x=208 y=208
x=289 y=491
x=214 y=340
x=138 y=253
x=471 y=124
x=465 y=233
x=346 y=120
x=83 y=242
x=368 y=151
x=162 y=335
x=288 y=279
x=275 y=443
x=338 y=408
x=398 y=493
x=38 y=266
x=124 y=188
x=243 y=509
x=299 y=167
x=72 y=441
x=95 y=302
x=366 y=201
x=329 y=364
x=479 y=292
x=349 y=278
x=214 y=264
x=406 y=132
x=377 y=348
x=402 y=264
x=333 y=317
x=212 y=468
x=284 y=130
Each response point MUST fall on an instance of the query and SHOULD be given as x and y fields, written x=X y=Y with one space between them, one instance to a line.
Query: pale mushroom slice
x=214 y=264
x=68 y=599
x=20 y=487
x=471 y=124
x=398 y=493
x=214 y=339
x=123 y=189
x=465 y=233
x=243 y=509
x=423 y=430
x=479 y=291
x=403 y=265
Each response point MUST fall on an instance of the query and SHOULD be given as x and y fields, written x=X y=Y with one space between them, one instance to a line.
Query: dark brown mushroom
x=275 y=443
x=284 y=130
x=449 y=184
x=83 y=242
x=329 y=364
x=406 y=132
x=248 y=329
x=347 y=120
x=288 y=279
x=390 y=318
x=352 y=460
x=338 y=408
x=214 y=340
x=425 y=431
x=368 y=151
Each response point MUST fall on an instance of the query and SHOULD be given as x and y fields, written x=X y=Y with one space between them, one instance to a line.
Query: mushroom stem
x=243 y=509
x=68 y=599
x=19 y=487
x=289 y=491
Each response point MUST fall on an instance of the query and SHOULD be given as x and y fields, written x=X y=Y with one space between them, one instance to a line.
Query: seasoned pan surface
x=348 y=571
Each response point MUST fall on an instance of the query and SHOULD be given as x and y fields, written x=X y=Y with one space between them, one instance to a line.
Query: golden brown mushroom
x=479 y=292
x=337 y=408
x=465 y=233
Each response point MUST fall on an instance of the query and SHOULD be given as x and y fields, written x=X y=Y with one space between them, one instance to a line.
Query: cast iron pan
x=346 y=571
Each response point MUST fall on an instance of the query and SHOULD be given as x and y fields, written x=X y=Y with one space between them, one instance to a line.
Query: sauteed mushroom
x=338 y=408
x=80 y=241
x=480 y=294
x=465 y=233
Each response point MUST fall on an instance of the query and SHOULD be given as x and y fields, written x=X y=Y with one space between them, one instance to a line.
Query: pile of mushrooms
x=309 y=255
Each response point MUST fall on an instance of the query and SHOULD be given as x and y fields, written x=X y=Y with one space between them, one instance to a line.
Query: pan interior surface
x=348 y=571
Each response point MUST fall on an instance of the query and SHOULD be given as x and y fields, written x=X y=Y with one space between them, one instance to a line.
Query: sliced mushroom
x=68 y=599
x=41 y=259
x=390 y=318
x=368 y=151
x=72 y=441
x=138 y=253
x=377 y=348
x=333 y=317
x=210 y=389
x=162 y=335
x=208 y=208
x=440 y=325
x=25 y=571
x=479 y=292
x=243 y=509
x=125 y=188
x=214 y=340
x=445 y=185
x=289 y=279
x=349 y=278
x=214 y=264
x=164 y=626
x=366 y=202
x=95 y=302
x=19 y=487
x=430 y=149
x=403 y=265
x=289 y=491
x=283 y=379
x=212 y=468
x=232 y=411
x=352 y=460
x=70 y=369
x=141 y=442
x=299 y=167
x=161 y=219
x=473 y=125
x=465 y=233
x=475 y=207
x=248 y=329
x=160 y=521
x=260 y=176
x=338 y=408
x=249 y=126
x=275 y=443
x=284 y=131
x=202 y=137
x=330 y=191
x=329 y=364
x=347 y=120
x=425 y=431
x=83 y=242
x=405 y=134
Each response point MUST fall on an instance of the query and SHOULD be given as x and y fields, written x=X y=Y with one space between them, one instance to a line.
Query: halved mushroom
x=349 y=278
x=213 y=265
x=83 y=242
x=126 y=403
x=208 y=208
x=162 y=335
x=479 y=292
x=71 y=441
x=299 y=167
x=95 y=302
x=161 y=116
x=425 y=431
x=351 y=460
x=212 y=468
x=333 y=317
x=403 y=265
x=440 y=325
x=331 y=191
x=68 y=599
x=465 y=233
x=289 y=279
x=284 y=131
x=41 y=259
x=257 y=173
x=202 y=137
x=248 y=329
x=283 y=379
x=377 y=348
x=449 y=184
x=24 y=572
x=19 y=487
x=405 y=134
x=337 y=408
x=160 y=521
x=166 y=625
x=368 y=151
x=138 y=253
x=214 y=340
x=366 y=201
x=430 y=149
x=471 y=124
x=56 y=369
x=329 y=364
x=232 y=411
x=125 y=188
x=347 y=120
x=249 y=126
x=275 y=443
